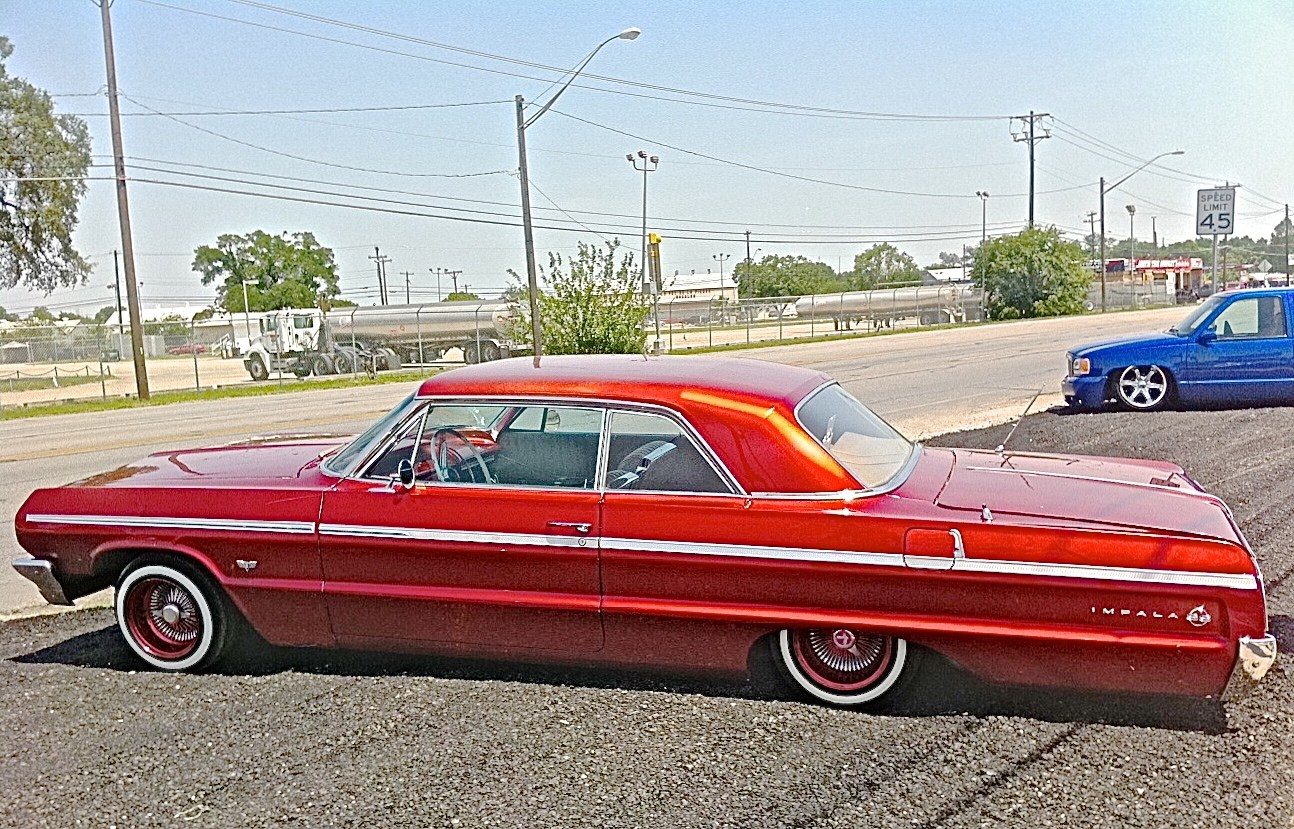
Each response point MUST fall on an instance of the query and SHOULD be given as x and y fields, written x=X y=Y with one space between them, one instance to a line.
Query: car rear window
x=870 y=449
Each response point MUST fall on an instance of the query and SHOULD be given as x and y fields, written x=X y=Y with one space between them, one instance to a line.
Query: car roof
x=743 y=408
x=632 y=378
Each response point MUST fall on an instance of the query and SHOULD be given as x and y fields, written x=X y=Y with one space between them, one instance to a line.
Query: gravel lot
x=338 y=740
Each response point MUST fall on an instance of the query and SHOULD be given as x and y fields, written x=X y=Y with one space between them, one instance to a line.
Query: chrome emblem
x=1199 y=616
x=246 y=566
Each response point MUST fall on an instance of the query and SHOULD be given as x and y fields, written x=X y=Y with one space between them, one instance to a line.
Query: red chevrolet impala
x=675 y=512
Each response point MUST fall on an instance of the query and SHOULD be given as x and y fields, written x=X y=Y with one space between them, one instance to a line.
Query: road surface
x=925 y=383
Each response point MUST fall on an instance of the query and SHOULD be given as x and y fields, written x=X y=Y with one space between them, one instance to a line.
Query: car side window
x=652 y=452
x=1251 y=318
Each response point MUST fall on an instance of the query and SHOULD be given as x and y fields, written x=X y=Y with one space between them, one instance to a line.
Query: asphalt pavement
x=338 y=739
x=925 y=382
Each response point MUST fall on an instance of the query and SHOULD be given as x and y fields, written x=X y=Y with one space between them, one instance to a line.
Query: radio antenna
x=1001 y=447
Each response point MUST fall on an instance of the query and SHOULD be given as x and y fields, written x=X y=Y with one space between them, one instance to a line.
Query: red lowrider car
x=675 y=512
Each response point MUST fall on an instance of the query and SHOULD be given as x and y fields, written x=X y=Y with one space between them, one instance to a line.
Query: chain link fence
x=65 y=361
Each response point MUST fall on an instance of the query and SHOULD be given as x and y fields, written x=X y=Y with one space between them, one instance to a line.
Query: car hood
x=1129 y=494
x=1158 y=338
x=266 y=460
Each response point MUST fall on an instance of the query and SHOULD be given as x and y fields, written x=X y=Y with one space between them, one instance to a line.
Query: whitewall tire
x=168 y=619
x=844 y=667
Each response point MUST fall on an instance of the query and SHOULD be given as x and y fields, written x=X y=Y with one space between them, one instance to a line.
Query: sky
x=1122 y=81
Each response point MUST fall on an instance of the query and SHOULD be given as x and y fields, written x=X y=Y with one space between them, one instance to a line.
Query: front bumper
x=1087 y=391
x=41 y=574
x=1255 y=657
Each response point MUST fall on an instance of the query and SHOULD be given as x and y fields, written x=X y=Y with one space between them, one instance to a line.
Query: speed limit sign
x=1215 y=212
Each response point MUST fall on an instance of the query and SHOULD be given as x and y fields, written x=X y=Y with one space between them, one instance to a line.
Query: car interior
x=559 y=448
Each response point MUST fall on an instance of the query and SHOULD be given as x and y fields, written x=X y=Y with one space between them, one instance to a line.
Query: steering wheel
x=440 y=450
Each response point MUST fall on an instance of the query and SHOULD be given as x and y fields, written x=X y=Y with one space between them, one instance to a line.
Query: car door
x=494 y=543
x=683 y=548
x=1244 y=352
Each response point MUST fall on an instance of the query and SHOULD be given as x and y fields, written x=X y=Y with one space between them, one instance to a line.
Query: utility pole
x=406 y=275
x=1287 y=244
x=1154 y=233
x=380 y=261
x=748 y=262
x=439 y=298
x=1101 y=187
x=123 y=208
x=650 y=163
x=1032 y=133
x=721 y=258
x=454 y=276
x=1091 y=236
x=121 y=314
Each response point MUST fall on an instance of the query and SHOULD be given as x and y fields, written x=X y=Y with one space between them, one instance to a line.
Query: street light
x=1132 y=241
x=532 y=276
x=650 y=163
x=983 y=199
x=721 y=258
x=1103 y=190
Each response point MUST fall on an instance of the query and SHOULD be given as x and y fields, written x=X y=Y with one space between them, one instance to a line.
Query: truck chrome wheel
x=166 y=618
x=1142 y=387
x=843 y=666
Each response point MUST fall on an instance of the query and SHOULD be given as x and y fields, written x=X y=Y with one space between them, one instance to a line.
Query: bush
x=1034 y=273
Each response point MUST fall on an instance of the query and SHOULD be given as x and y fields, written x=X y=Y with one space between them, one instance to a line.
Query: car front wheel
x=1142 y=388
x=170 y=617
x=845 y=667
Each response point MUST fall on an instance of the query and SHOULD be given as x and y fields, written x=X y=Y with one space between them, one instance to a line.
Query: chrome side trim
x=744 y=551
x=165 y=523
x=41 y=573
x=1234 y=581
x=457 y=536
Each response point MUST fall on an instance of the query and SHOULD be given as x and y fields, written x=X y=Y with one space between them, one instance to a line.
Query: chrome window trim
x=607 y=404
x=889 y=485
x=703 y=449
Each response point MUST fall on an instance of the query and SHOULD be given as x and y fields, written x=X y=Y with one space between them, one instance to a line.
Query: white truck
x=308 y=341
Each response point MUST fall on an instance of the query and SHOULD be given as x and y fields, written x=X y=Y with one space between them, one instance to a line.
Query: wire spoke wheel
x=167 y=619
x=842 y=665
x=1143 y=387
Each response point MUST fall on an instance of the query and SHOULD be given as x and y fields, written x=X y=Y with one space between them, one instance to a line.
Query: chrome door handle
x=581 y=527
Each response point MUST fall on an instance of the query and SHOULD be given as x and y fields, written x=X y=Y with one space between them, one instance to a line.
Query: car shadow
x=939 y=689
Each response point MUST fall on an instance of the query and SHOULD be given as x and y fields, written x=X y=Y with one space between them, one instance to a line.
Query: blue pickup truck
x=1233 y=348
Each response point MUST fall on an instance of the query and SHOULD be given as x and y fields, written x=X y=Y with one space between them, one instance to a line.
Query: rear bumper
x=41 y=573
x=1256 y=655
x=1087 y=391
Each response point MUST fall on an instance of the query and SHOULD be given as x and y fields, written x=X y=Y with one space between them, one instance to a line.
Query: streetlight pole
x=1103 y=190
x=721 y=258
x=523 y=123
x=983 y=199
x=650 y=163
x=1132 y=241
x=437 y=272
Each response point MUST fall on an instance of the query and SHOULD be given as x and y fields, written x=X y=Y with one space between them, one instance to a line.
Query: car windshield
x=1193 y=320
x=344 y=462
x=868 y=447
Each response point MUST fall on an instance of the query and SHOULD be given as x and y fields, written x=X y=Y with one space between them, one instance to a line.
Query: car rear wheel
x=1143 y=388
x=845 y=667
x=170 y=616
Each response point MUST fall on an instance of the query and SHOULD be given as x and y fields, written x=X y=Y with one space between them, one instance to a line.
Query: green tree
x=285 y=271
x=37 y=217
x=460 y=296
x=784 y=276
x=589 y=304
x=41 y=313
x=101 y=316
x=1034 y=273
x=884 y=264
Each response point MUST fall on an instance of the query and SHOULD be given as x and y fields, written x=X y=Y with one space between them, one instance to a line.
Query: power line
x=394 y=191
x=706 y=98
x=771 y=171
x=304 y=111
x=308 y=160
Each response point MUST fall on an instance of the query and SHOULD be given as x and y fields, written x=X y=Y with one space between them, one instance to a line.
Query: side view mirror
x=405 y=473
x=1207 y=336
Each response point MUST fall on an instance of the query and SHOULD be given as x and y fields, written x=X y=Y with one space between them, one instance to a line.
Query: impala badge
x=245 y=565
x=1199 y=616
